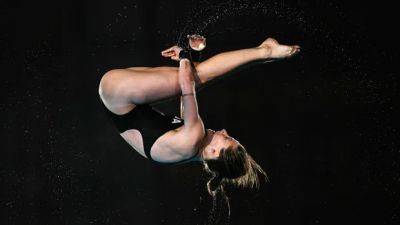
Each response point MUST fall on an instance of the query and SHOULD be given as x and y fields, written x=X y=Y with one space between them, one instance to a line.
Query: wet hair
x=233 y=167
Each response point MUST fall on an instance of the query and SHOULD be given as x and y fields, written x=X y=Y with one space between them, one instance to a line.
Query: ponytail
x=214 y=184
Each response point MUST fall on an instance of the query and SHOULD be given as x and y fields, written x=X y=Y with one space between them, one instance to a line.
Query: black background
x=322 y=124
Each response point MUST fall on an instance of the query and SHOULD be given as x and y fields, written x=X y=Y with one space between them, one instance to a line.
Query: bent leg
x=136 y=68
x=122 y=89
x=141 y=68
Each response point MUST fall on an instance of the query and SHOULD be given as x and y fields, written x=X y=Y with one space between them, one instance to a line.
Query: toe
x=295 y=49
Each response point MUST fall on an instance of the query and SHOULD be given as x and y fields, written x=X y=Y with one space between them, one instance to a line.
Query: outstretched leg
x=122 y=89
x=224 y=62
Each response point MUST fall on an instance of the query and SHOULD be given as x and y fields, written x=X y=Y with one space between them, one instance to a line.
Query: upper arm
x=184 y=141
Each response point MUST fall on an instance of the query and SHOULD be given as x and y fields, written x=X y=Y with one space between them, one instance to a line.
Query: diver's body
x=125 y=90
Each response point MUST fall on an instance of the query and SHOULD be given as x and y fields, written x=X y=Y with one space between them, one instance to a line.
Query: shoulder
x=181 y=143
x=187 y=136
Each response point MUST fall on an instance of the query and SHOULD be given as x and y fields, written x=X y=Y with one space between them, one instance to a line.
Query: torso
x=162 y=149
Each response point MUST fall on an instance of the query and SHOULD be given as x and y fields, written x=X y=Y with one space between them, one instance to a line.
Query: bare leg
x=224 y=62
x=141 y=68
x=123 y=88
x=138 y=68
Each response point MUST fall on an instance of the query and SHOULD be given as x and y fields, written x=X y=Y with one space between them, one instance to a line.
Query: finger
x=168 y=50
x=168 y=54
x=197 y=37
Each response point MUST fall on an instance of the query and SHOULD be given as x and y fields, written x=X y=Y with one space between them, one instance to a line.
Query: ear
x=215 y=152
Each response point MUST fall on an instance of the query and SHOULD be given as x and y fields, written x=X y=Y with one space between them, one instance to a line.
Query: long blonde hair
x=233 y=167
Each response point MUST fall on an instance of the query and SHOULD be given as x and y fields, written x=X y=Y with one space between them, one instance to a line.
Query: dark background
x=322 y=124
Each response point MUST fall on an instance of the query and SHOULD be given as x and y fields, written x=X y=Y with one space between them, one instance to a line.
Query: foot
x=274 y=50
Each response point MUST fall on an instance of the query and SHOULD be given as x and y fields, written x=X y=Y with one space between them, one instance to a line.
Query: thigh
x=137 y=68
x=142 y=68
x=122 y=89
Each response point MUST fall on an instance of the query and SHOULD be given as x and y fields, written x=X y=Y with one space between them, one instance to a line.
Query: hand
x=197 y=42
x=172 y=52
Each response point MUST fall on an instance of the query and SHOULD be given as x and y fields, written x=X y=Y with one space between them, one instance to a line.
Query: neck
x=203 y=144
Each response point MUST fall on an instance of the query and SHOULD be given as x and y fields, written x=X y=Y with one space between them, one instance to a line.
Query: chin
x=210 y=133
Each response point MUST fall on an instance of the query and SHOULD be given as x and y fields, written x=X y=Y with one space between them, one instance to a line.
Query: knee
x=122 y=85
x=105 y=82
x=109 y=75
x=110 y=83
x=200 y=78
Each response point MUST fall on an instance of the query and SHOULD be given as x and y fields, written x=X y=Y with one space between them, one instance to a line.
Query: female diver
x=127 y=93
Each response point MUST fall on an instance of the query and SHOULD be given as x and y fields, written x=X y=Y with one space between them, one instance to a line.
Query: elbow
x=193 y=124
x=192 y=121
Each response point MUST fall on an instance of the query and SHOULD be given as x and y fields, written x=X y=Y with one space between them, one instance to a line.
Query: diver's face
x=219 y=140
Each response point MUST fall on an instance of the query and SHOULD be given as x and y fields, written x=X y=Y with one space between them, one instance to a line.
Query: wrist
x=184 y=54
x=187 y=87
x=187 y=94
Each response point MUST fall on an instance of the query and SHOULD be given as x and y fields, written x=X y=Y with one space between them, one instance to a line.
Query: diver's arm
x=181 y=108
x=189 y=102
x=182 y=142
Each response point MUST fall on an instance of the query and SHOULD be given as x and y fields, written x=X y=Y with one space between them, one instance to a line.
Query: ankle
x=264 y=52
